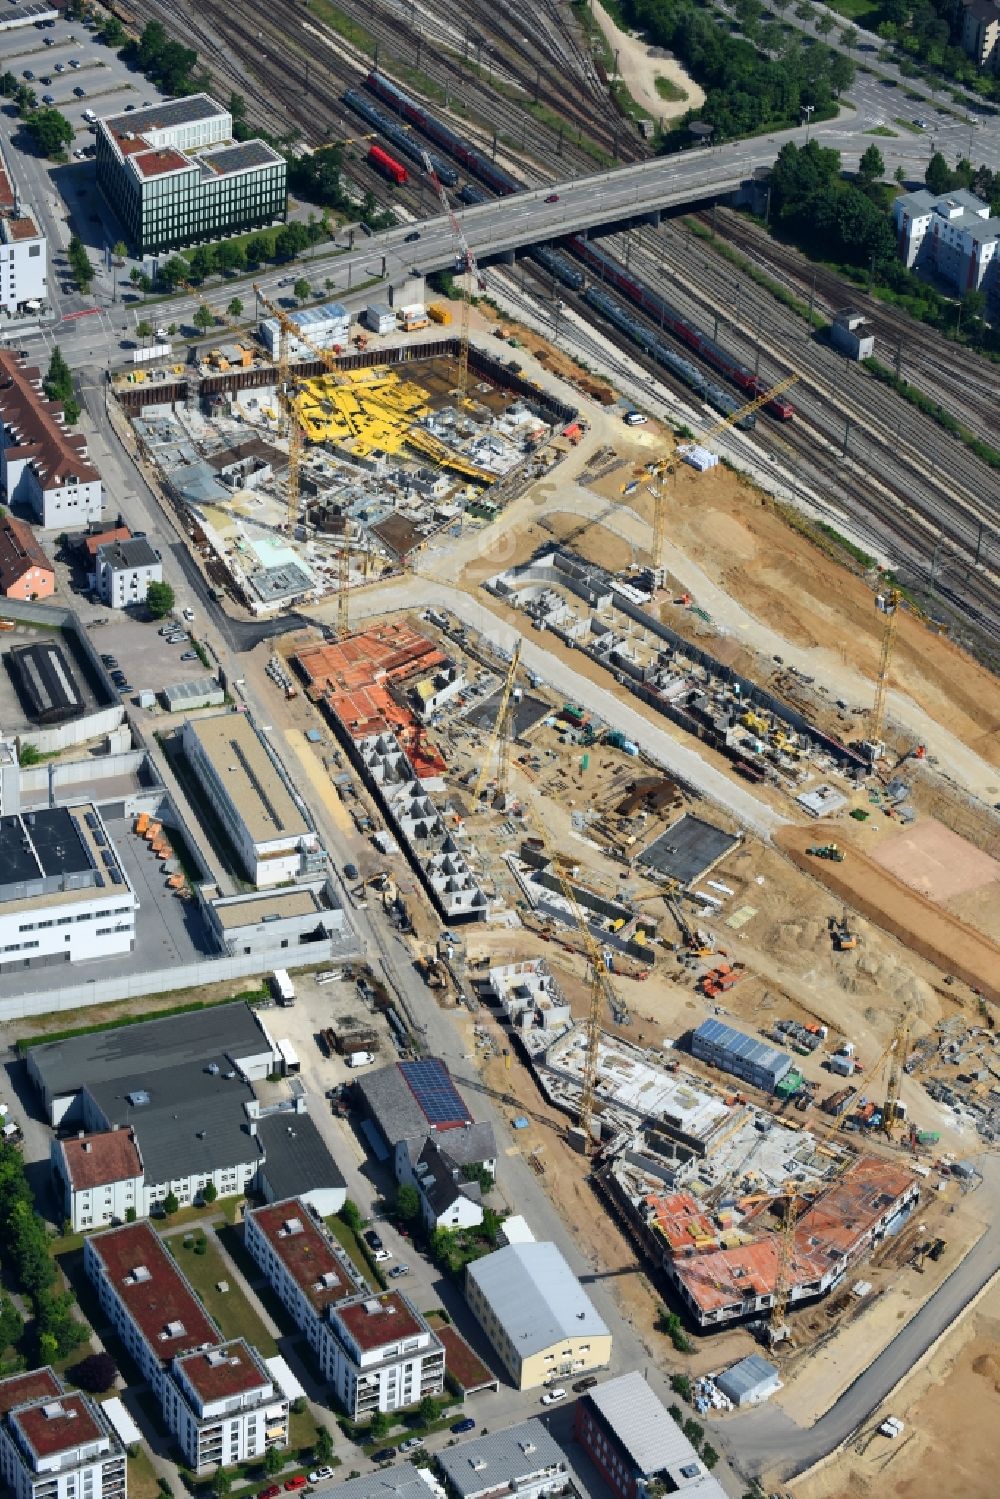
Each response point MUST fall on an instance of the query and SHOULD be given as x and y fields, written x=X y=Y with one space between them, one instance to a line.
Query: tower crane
x=897 y=1060
x=287 y=329
x=777 y=1327
x=665 y=469
x=887 y=603
x=500 y=737
x=466 y=262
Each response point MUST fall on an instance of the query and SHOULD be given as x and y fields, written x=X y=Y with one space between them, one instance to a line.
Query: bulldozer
x=826 y=851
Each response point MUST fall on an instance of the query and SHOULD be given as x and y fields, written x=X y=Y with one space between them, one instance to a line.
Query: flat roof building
x=23 y=249
x=952 y=236
x=757 y=1062
x=380 y=1354
x=636 y=1443
x=217 y=1398
x=252 y=798
x=303 y=1265
x=42 y=464
x=175 y=176
x=55 y=1444
x=64 y=894
x=536 y=1314
x=750 y=1381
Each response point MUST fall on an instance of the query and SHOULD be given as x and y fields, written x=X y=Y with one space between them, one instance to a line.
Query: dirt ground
x=925 y=928
x=951 y=1408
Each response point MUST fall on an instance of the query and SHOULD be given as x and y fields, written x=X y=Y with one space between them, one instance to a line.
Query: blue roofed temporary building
x=326 y=327
x=742 y=1055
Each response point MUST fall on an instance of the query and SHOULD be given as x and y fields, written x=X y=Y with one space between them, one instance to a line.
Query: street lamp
x=807 y=110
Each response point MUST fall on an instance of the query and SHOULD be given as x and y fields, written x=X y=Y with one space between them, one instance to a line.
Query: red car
x=298 y=1482
x=552 y=198
x=271 y=1492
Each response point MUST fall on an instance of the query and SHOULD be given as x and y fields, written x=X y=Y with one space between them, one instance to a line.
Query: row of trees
x=941 y=178
x=79 y=263
x=28 y=1260
x=929 y=32
x=747 y=89
x=169 y=64
x=233 y=257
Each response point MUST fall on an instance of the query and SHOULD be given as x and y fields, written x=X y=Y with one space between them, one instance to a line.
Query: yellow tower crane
x=898 y=1047
x=287 y=330
x=465 y=261
x=343 y=593
x=887 y=603
x=500 y=737
x=777 y=1326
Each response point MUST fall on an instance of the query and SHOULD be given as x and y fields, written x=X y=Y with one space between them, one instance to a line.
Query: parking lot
x=69 y=70
x=148 y=659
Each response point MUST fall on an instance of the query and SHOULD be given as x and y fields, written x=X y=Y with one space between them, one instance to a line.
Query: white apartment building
x=55 y=1445
x=952 y=236
x=101 y=1177
x=377 y=1352
x=42 y=463
x=217 y=1398
x=303 y=1266
x=124 y=571
x=64 y=894
x=224 y=1407
x=380 y=1354
x=23 y=254
x=252 y=799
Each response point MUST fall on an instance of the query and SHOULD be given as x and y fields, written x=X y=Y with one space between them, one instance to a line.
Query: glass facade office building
x=175 y=177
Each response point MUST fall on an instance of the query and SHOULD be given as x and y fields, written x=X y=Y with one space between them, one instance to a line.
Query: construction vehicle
x=826 y=851
x=721 y=979
x=431 y=970
x=844 y=938
x=752 y=720
x=465 y=262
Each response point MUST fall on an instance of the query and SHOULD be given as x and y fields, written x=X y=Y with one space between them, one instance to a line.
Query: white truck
x=151 y=352
x=284 y=989
x=360 y=1058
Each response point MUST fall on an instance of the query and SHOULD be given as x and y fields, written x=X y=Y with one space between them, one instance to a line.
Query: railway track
x=950 y=373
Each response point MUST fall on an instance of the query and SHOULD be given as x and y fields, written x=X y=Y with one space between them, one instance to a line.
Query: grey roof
x=442 y=1183
x=194 y=1121
x=167 y=114
x=399 y=1482
x=643 y=1426
x=535 y=1296
x=501 y=1459
x=135 y=552
x=469 y=1144
x=297 y=1158
x=393 y=1106
x=220 y=161
x=133 y=1051
x=747 y=1375
x=917 y=203
x=758 y=1053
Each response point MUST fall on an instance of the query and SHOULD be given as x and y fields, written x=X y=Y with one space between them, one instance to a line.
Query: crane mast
x=466 y=262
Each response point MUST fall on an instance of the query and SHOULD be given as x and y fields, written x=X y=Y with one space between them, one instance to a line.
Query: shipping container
x=439 y=314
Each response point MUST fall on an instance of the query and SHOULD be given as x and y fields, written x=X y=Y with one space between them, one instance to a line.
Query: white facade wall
x=120 y=586
x=23 y=273
x=387 y=1378
x=84 y=1473
x=194 y=134
x=96 y=1207
x=56 y=506
x=227 y=1431
x=75 y=929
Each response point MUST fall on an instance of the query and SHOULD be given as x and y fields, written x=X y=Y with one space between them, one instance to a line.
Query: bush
x=681 y=1385
x=670 y=1323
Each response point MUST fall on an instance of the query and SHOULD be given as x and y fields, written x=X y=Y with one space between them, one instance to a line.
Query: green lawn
x=344 y=25
x=672 y=92
x=864 y=12
x=142 y=1482
x=230 y=1309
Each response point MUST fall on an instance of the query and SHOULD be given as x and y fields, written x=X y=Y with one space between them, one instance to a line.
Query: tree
x=209 y=1193
x=222 y=1483
x=144 y=330
x=204 y=318
x=130 y=1215
x=8 y=84
x=407 y=1203
x=849 y=38
x=95 y=1373
x=170 y=1203
x=48 y=1348
x=235 y=309
x=871 y=167
x=230 y=257
x=427 y=1410
x=174 y=271
x=273 y=1461
x=145 y=284
x=79 y=263
x=11 y=1321
x=58 y=382
x=203 y=263
x=350 y=1214
x=160 y=601
x=379 y=1426
x=825 y=24
x=51 y=131
x=119 y=250
x=477 y=1171
x=900 y=175
x=709 y=1456
x=257 y=249
x=302 y=289
x=681 y=1385
x=938 y=176
x=323 y=1448
x=677 y=1414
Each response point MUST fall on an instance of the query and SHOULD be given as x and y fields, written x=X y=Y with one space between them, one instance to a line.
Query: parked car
x=384 y=1455
x=468 y=1424
x=60 y=67
x=271 y=1492
x=109 y=660
x=582 y=1385
x=350 y=871
x=372 y=1239
x=552 y=198
x=188 y=613
x=177 y=638
x=381 y=1255
x=398 y=1270
x=74 y=62
x=298 y=1482
x=411 y=1443
x=409 y=238
x=320 y=1475
x=48 y=98
x=552 y=1396
x=81 y=93
x=189 y=655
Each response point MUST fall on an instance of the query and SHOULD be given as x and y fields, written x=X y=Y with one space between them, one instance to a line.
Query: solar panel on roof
x=90 y=819
x=108 y=857
x=430 y=1083
x=116 y=878
x=100 y=839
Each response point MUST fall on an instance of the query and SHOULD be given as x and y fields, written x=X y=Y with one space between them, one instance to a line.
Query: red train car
x=387 y=165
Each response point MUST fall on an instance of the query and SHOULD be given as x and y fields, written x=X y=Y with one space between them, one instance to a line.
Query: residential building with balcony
x=380 y=1354
x=56 y=1445
x=224 y=1407
x=307 y=1271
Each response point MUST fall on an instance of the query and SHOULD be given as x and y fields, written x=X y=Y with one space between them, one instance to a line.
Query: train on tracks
x=608 y=270
x=398 y=137
x=387 y=165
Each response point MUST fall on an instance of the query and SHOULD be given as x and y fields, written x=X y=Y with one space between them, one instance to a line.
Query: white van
x=634 y=419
